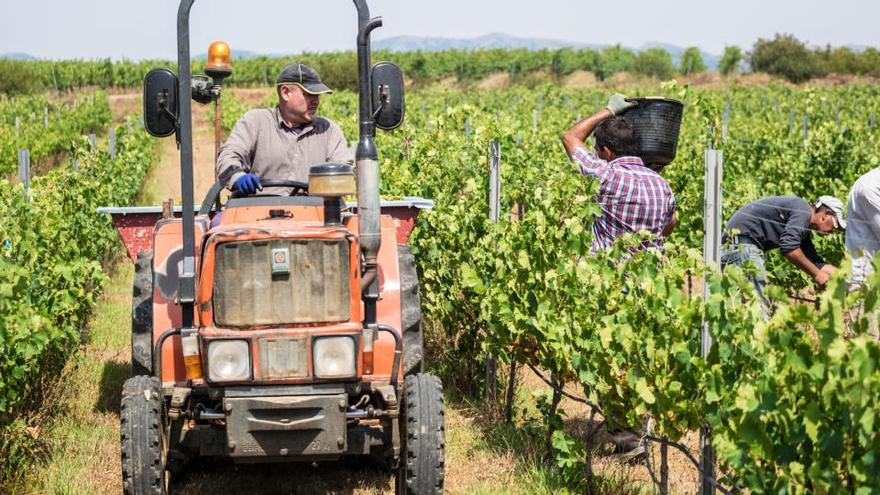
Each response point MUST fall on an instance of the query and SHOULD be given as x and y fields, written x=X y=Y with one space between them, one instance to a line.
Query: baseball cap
x=303 y=76
x=836 y=207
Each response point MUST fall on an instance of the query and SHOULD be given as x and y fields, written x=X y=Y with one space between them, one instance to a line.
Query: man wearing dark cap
x=282 y=143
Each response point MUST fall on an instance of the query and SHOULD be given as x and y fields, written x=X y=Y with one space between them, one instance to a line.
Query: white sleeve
x=870 y=203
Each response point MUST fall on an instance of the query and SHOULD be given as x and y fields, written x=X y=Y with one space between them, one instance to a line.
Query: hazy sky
x=146 y=29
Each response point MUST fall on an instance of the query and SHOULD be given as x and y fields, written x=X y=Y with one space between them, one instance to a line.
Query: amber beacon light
x=218 y=65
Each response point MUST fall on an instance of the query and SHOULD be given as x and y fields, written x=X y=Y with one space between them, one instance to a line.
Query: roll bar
x=187 y=290
x=366 y=154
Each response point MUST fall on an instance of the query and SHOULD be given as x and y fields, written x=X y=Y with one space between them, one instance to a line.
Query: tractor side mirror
x=387 y=95
x=160 y=102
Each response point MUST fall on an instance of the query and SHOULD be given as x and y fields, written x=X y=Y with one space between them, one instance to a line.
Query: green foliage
x=782 y=396
x=730 y=60
x=784 y=56
x=567 y=60
x=50 y=252
x=337 y=69
x=654 y=62
x=232 y=110
x=46 y=128
x=843 y=60
x=18 y=78
x=625 y=327
x=691 y=62
x=615 y=59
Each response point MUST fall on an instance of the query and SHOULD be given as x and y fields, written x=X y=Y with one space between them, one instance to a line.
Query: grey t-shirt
x=777 y=222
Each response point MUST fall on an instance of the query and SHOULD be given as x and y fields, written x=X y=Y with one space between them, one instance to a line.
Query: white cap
x=836 y=207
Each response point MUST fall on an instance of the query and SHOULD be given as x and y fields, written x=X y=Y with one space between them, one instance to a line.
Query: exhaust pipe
x=367 y=160
x=369 y=232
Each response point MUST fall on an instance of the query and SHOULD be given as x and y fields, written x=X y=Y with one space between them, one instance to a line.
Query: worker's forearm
x=800 y=260
x=575 y=137
x=669 y=227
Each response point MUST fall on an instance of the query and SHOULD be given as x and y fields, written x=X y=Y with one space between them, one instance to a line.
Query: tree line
x=784 y=56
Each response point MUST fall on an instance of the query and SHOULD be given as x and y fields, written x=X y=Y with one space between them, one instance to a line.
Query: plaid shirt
x=633 y=198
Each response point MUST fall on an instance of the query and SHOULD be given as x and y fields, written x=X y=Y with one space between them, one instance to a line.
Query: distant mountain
x=236 y=55
x=17 y=56
x=487 y=41
x=507 y=41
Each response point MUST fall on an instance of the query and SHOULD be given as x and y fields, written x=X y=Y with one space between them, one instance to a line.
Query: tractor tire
x=142 y=315
x=410 y=311
x=422 y=466
x=143 y=437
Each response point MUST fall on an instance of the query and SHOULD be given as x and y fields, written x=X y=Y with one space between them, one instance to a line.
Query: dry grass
x=252 y=97
x=580 y=79
x=123 y=105
x=81 y=438
x=498 y=80
x=683 y=477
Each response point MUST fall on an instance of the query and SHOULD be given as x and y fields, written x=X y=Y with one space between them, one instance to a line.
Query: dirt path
x=163 y=180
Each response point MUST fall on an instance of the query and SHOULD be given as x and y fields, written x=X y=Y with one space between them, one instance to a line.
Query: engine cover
x=281 y=282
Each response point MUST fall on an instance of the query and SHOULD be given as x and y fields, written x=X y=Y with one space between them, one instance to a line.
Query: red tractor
x=290 y=329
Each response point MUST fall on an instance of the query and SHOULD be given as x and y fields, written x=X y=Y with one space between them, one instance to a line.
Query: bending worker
x=786 y=223
x=282 y=143
x=633 y=197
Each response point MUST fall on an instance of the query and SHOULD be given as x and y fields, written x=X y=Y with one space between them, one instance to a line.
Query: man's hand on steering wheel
x=248 y=184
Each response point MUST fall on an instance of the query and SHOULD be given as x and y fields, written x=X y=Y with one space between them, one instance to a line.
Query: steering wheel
x=299 y=188
x=213 y=195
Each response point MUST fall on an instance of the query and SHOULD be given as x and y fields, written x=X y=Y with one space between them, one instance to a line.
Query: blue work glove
x=248 y=184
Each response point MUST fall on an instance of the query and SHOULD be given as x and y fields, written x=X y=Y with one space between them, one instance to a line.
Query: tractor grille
x=255 y=285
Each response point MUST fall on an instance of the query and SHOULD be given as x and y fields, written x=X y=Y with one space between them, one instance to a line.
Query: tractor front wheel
x=143 y=437
x=422 y=461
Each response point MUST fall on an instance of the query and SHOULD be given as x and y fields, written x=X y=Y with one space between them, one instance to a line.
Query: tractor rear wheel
x=410 y=311
x=423 y=460
x=143 y=437
x=142 y=315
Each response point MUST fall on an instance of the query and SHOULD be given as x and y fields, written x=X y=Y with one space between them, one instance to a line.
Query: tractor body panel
x=300 y=226
x=167 y=264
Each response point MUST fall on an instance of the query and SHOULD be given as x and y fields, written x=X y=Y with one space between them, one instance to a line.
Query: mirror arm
x=162 y=100
x=173 y=117
x=376 y=111
x=384 y=97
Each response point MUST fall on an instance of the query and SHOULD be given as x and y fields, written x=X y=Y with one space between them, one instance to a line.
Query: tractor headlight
x=334 y=357
x=228 y=361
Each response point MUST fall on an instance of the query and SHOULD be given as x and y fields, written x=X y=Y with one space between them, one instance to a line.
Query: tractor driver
x=282 y=143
